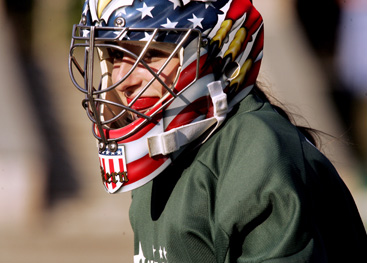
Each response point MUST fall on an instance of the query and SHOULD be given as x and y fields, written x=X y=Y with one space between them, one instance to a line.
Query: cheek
x=114 y=75
x=171 y=70
x=168 y=75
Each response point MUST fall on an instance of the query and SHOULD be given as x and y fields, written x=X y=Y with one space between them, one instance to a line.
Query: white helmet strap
x=173 y=140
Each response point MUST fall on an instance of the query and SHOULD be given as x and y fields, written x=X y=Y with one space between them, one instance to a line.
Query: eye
x=118 y=54
x=115 y=54
x=154 y=56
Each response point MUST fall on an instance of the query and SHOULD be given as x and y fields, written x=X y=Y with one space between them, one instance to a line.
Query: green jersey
x=256 y=191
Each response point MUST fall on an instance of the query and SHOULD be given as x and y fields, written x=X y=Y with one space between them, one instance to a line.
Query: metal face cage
x=94 y=44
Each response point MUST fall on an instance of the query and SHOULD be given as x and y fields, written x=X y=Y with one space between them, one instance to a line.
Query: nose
x=122 y=69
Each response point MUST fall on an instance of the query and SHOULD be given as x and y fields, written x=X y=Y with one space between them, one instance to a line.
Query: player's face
x=134 y=84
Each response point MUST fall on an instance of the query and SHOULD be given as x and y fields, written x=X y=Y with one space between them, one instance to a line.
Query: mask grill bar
x=90 y=38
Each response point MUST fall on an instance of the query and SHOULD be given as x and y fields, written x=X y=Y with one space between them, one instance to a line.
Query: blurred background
x=53 y=205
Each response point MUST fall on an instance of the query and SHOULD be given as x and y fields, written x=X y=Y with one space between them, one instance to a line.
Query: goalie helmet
x=209 y=55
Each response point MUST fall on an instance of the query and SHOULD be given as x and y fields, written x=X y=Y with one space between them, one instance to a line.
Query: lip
x=143 y=103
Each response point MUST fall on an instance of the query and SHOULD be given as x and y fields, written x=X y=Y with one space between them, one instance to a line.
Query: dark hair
x=311 y=134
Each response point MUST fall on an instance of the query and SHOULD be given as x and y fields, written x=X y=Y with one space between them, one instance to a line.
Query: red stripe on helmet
x=142 y=167
x=191 y=112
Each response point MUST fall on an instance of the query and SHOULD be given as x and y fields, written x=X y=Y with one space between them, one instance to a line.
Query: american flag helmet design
x=113 y=169
x=219 y=44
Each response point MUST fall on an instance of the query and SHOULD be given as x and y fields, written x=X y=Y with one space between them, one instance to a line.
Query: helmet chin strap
x=171 y=141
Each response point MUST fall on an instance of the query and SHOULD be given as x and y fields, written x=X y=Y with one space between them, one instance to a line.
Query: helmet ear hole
x=232 y=70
